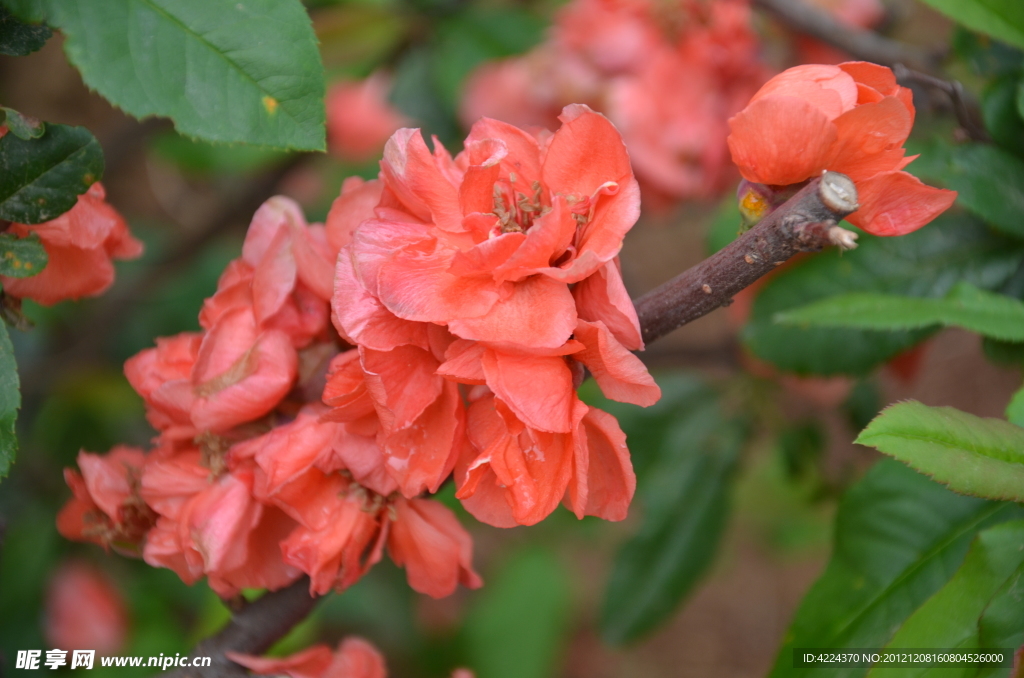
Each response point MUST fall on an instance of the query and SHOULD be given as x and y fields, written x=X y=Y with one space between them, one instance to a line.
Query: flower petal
x=897 y=203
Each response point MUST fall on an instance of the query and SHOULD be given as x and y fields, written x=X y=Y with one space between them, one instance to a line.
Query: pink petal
x=619 y=373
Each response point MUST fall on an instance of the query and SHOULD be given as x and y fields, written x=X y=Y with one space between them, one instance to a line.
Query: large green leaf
x=18 y=39
x=923 y=264
x=1002 y=19
x=685 y=497
x=989 y=180
x=992 y=315
x=949 y=619
x=971 y=455
x=517 y=627
x=40 y=179
x=223 y=70
x=10 y=401
x=21 y=257
x=899 y=537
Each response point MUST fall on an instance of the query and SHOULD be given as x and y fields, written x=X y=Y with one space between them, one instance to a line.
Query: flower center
x=516 y=211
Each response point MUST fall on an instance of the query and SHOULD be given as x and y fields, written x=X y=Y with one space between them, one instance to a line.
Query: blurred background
x=743 y=552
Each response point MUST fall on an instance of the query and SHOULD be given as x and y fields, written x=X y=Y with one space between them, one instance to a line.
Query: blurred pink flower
x=84 y=610
x=359 y=117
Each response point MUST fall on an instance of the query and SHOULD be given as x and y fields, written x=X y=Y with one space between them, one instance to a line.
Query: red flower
x=463 y=277
x=852 y=118
x=84 y=610
x=211 y=525
x=359 y=117
x=107 y=508
x=436 y=551
x=354 y=658
x=162 y=376
x=80 y=245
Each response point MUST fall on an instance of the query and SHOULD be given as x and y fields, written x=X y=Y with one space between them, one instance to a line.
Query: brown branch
x=806 y=222
x=965 y=107
x=252 y=630
x=857 y=42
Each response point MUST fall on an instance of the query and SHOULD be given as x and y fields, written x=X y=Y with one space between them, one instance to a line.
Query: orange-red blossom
x=851 y=118
x=495 y=270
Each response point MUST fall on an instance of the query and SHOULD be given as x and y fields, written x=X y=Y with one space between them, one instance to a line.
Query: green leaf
x=1003 y=352
x=971 y=455
x=898 y=539
x=949 y=619
x=1002 y=19
x=21 y=257
x=1002 y=117
x=518 y=625
x=1002 y=623
x=926 y=263
x=989 y=180
x=241 y=71
x=18 y=39
x=41 y=179
x=22 y=126
x=989 y=314
x=10 y=402
x=686 y=504
x=1015 y=410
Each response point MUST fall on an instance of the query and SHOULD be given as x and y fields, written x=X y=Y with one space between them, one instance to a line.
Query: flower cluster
x=468 y=295
x=80 y=245
x=246 y=485
x=667 y=74
x=851 y=118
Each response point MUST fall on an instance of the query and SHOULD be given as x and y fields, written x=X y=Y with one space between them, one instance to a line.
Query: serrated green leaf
x=518 y=625
x=22 y=126
x=19 y=39
x=242 y=71
x=926 y=263
x=989 y=180
x=949 y=619
x=21 y=257
x=971 y=455
x=1015 y=410
x=685 y=501
x=1002 y=19
x=988 y=314
x=899 y=537
x=41 y=179
x=10 y=402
